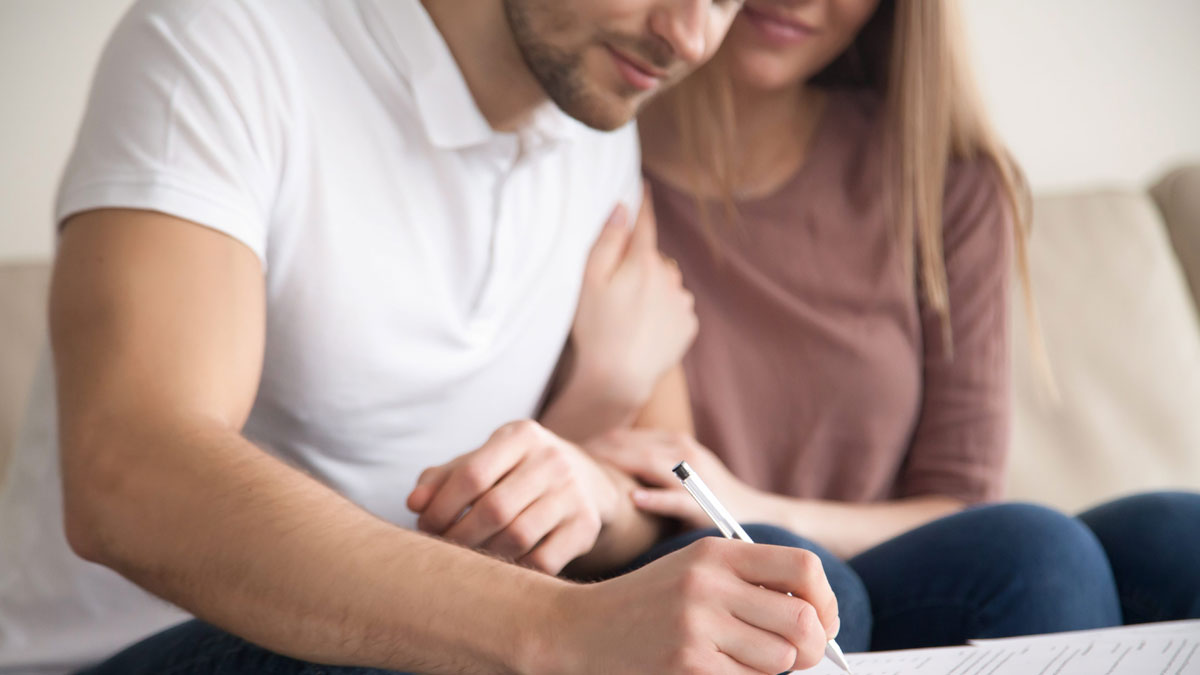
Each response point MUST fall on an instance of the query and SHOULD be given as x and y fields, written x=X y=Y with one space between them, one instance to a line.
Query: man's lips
x=636 y=73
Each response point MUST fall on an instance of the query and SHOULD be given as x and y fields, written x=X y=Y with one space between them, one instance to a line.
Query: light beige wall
x=1085 y=91
x=48 y=49
x=1091 y=92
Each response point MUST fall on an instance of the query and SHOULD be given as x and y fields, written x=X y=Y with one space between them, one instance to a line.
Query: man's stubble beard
x=558 y=71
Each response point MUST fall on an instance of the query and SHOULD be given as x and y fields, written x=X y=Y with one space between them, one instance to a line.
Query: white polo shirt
x=421 y=269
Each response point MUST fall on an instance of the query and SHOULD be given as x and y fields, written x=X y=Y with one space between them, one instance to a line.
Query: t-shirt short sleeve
x=185 y=117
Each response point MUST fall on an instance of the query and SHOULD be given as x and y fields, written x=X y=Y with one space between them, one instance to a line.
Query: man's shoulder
x=216 y=30
x=184 y=15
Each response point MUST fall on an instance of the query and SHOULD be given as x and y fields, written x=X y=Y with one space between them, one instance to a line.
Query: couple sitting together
x=322 y=264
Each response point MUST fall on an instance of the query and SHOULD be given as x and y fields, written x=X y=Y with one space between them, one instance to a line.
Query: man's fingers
x=531 y=527
x=501 y=505
x=428 y=483
x=419 y=498
x=790 y=618
x=758 y=650
x=787 y=570
x=474 y=475
x=610 y=245
x=568 y=541
x=727 y=665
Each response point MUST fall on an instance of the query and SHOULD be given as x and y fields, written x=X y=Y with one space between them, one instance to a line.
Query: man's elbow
x=94 y=488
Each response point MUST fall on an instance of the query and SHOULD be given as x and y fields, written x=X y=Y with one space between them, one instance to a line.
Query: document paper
x=1149 y=649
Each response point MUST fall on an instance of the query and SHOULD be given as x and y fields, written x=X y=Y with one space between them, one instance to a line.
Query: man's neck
x=482 y=43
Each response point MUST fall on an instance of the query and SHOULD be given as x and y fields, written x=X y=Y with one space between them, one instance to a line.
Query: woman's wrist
x=591 y=401
x=772 y=509
x=598 y=381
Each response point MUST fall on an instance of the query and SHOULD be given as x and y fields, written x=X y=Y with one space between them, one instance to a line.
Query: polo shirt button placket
x=505 y=155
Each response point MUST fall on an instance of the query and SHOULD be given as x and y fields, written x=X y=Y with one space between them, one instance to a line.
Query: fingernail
x=837 y=627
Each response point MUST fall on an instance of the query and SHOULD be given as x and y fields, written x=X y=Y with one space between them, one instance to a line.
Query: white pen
x=730 y=528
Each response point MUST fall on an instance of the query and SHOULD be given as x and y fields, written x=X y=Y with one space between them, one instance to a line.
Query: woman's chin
x=765 y=75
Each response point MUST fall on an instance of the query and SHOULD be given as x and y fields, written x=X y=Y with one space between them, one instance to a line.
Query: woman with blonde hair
x=847 y=221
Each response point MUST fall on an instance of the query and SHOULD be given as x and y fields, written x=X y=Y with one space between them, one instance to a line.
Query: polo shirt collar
x=446 y=108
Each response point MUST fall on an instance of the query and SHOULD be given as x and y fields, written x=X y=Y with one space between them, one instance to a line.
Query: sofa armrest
x=1178 y=197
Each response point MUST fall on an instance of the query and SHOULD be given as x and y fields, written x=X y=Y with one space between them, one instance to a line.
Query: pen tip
x=834 y=652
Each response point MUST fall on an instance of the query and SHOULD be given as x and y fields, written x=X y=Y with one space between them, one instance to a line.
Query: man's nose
x=683 y=24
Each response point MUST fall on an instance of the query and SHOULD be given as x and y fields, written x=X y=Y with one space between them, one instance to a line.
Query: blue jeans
x=1153 y=544
x=988 y=571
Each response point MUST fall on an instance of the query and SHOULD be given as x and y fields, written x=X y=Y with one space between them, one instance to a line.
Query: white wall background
x=48 y=49
x=1085 y=92
x=1090 y=91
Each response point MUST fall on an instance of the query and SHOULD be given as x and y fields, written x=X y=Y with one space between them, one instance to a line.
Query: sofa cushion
x=1178 y=197
x=23 y=288
x=1123 y=340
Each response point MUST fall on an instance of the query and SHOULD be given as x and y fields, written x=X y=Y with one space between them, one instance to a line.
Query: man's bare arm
x=158 y=328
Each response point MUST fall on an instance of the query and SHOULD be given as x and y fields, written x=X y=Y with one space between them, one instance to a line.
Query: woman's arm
x=670 y=407
x=635 y=320
x=843 y=528
x=957 y=450
x=585 y=408
x=847 y=529
x=960 y=442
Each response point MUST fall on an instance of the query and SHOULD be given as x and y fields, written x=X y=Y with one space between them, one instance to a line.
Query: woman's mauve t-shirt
x=818 y=371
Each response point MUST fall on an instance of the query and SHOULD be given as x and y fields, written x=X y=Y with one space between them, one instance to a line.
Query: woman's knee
x=1041 y=543
x=1148 y=515
x=1048 y=560
x=1152 y=544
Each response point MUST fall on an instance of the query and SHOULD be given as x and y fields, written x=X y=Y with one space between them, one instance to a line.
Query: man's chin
x=605 y=114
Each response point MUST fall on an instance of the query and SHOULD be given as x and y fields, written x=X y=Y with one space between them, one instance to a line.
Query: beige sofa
x=23 y=290
x=1116 y=273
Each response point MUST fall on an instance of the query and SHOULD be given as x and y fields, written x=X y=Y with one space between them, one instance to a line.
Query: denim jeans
x=988 y=571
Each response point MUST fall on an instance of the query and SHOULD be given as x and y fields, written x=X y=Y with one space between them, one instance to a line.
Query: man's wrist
x=539 y=647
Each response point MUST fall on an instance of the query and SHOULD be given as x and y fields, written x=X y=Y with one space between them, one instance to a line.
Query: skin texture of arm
x=634 y=323
x=157 y=329
x=845 y=529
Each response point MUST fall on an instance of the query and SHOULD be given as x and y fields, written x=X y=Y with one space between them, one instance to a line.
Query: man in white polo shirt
x=311 y=249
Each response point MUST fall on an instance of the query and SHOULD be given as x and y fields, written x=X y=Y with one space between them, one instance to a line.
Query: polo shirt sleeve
x=186 y=118
x=961 y=439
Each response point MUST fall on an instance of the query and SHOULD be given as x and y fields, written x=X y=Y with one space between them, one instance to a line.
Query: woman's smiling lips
x=775 y=28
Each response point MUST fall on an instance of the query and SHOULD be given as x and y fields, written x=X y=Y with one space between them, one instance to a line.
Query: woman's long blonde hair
x=910 y=53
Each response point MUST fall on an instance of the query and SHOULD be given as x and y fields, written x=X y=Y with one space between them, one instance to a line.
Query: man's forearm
x=206 y=520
